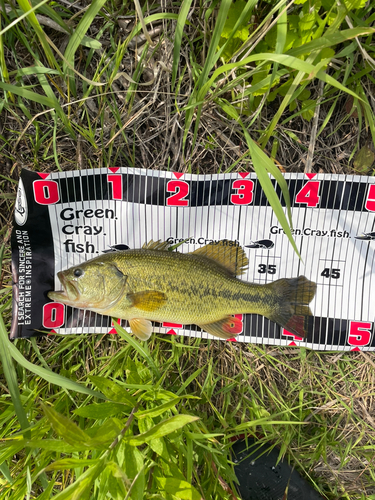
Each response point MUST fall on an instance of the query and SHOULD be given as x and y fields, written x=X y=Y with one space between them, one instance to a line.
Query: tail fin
x=295 y=294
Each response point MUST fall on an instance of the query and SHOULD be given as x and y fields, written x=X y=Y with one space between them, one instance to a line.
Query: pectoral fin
x=225 y=328
x=142 y=328
x=148 y=301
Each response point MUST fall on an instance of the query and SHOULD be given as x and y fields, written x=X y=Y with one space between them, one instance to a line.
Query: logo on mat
x=21 y=212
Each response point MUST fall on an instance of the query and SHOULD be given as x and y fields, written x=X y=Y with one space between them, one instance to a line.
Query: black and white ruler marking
x=64 y=218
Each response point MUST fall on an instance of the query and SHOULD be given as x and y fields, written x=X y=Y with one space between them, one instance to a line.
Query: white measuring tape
x=65 y=218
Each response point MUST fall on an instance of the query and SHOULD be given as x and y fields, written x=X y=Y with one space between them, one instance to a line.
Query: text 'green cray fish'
x=201 y=288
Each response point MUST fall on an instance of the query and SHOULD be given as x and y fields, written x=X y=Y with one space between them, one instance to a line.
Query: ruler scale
x=62 y=219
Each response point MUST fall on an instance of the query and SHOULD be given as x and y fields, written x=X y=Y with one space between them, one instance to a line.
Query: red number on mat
x=46 y=192
x=53 y=315
x=116 y=181
x=237 y=326
x=290 y=334
x=181 y=190
x=244 y=194
x=359 y=333
x=370 y=200
x=309 y=194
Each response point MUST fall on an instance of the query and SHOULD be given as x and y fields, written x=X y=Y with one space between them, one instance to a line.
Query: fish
x=200 y=287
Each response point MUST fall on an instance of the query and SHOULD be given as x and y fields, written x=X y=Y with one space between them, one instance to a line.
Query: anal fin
x=142 y=328
x=225 y=328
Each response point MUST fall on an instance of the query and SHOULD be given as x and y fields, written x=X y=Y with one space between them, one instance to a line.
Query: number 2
x=181 y=190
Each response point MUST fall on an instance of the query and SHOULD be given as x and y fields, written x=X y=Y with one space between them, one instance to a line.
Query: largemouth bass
x=201 y=288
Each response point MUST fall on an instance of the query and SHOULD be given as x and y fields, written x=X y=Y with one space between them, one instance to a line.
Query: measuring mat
x=63 y=219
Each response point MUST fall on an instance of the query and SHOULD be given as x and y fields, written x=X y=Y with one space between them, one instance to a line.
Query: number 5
x=359 y=333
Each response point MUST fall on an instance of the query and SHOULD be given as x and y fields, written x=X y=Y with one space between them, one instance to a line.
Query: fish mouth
x=69 y=294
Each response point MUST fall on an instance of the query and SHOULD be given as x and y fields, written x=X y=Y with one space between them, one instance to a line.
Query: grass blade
x=49 y=375
x=29 y=11
x=143 y=351
x=184 y=10
x=78 y=35
x=11 y=378
x=262 y=164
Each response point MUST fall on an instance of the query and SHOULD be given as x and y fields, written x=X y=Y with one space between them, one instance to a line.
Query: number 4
x=309 y=194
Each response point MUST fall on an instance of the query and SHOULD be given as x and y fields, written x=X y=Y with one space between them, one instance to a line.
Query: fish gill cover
x=65 y=219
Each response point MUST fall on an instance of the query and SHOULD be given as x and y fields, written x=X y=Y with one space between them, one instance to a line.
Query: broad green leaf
x=134 y=467
x=55 y=445
x=71 y=463
x=308 y=108
x=354 y=4
x=118 y=484
x=327 y=41
x=91 y=43
x=178 y=487
x=364 y=159
x=159 y=410
x=81 y=488
x=307 y=22
x=66 y=428
x=235 y=32
x=4 y=469
x=162 y=429
x=106 y=433
x=11 y=448
x=102 y=410
x=112 y=390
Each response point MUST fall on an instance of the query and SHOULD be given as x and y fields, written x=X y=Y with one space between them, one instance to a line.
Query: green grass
x=224 y=87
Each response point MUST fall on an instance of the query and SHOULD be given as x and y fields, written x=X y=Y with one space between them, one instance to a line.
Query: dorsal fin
x=156 y=245
x=226 y=253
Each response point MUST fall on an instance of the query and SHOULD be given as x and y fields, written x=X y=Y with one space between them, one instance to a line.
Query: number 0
x=53 y=315
x=46 y=192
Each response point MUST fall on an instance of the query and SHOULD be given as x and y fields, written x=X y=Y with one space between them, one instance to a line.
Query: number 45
x=331 y=273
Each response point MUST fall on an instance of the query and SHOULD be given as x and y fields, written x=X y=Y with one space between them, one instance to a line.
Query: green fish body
x=154 y=284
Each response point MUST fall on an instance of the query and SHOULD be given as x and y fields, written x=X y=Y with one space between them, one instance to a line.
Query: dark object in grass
x=261 y=479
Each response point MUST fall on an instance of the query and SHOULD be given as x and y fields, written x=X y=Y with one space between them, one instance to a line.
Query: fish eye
x=78 y=272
